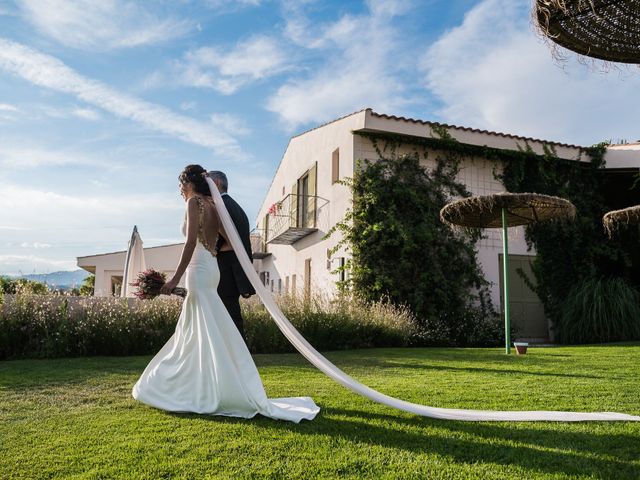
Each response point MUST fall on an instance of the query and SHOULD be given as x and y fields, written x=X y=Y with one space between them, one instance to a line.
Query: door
x=527 y=311
x=307 y=278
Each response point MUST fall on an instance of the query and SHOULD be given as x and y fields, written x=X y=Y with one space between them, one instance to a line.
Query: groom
x=233 y=281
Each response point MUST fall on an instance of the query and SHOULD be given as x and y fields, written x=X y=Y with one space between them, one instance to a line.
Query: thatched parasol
x=608 y=30
x=614 y=219
x=504 y=210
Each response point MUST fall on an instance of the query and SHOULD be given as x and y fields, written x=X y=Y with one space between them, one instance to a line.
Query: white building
x=108 y=268
x=304 y=201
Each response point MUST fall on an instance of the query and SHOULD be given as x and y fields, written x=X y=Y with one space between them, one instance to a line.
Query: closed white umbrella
x=133 y=264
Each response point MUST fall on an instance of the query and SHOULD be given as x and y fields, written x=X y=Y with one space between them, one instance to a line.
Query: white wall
x=302 y=152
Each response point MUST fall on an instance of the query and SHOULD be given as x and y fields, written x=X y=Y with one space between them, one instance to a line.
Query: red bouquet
x=150 y=282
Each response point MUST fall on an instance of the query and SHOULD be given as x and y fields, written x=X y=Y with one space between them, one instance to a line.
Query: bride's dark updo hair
x=194 y=174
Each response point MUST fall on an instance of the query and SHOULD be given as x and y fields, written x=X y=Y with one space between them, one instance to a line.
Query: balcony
x=292 y=218
x=258 y=243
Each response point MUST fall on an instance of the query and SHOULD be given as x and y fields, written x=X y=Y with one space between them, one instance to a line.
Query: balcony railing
x=292 y=218
x=258 y=243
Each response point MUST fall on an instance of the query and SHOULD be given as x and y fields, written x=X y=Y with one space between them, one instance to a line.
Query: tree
x=88 y=286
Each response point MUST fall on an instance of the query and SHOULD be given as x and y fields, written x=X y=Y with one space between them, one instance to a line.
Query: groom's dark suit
x=233 y=281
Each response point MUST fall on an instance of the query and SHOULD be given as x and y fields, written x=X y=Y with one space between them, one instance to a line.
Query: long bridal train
x=206 y=367
x=311 y=354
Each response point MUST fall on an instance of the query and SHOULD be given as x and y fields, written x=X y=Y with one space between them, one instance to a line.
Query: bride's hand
x=168 y=287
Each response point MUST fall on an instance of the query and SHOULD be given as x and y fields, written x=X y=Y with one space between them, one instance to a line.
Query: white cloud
x=5 y=107
x=51 y=207
x=36 y=245
x=187 y=106
x=493 y=72
x=47 y=71
x=18 y=157
x=363 y=58
x=103 y=24
x=227 y=71
x=86 y=113
x=15 y=264
x=231 y=124
x=224 y=6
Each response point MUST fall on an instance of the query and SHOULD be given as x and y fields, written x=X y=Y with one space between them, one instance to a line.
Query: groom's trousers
x=228 y=287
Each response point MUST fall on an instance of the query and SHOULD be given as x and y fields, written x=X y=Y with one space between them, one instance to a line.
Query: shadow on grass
x=542 y=449
x=495 y=370
x=65 y=371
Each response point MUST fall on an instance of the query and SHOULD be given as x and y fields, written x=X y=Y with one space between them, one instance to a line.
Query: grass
x=75 y=418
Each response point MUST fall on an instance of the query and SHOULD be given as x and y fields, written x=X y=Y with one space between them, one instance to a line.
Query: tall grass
x=329 y=324
x=600 y=310
x=54 y=326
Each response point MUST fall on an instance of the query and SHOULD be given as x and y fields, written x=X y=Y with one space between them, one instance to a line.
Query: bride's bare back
x=208 y=223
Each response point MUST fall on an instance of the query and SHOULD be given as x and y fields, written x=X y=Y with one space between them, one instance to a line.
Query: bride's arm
x=189 y=246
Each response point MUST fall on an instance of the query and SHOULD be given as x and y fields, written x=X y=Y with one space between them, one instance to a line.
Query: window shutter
x=266 y=230
x=293 y=206
x=312 y=202
x=335 y=166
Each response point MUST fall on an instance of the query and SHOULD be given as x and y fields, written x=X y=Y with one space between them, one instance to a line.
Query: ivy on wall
x=402 y=252
x=574 y=256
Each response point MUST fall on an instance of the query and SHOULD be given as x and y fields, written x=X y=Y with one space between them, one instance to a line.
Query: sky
x=102 y=103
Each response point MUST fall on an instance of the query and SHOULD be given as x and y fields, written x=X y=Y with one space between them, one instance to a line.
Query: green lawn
x=75 y=418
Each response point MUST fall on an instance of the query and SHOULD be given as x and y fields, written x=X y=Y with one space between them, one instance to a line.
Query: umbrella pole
x=505 y=277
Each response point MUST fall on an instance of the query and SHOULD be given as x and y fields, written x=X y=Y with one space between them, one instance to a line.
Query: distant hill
x=63 y=279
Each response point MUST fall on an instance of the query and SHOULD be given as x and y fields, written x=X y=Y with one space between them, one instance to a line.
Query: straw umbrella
x=608 y=30
x=504 y=210
x=615 y=219
x=134 y=263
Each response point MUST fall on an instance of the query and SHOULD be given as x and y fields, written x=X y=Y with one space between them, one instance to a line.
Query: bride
x=205 y=367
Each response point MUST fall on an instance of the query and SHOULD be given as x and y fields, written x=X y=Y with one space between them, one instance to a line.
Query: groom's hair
x=222 y=179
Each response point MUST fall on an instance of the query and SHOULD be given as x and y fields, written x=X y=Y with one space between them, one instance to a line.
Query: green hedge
x=56 y=326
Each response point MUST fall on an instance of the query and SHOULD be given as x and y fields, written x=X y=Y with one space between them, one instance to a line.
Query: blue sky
x=102 y=103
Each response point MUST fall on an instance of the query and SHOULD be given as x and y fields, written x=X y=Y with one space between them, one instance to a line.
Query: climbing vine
x=572 y=256
x=401 y=251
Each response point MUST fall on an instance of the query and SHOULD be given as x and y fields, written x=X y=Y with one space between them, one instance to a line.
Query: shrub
x=341 y=323
x=466 y=329
x=600 y=310
x=57 y=326
x=573 y=258
x=12 y=286
x=401 y=250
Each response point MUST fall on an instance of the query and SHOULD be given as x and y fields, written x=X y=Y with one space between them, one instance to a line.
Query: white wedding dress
x=205 y=367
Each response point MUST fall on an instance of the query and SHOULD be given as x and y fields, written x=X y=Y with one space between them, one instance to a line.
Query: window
x=279 y=285
x=343 y=273
x=271 y=286
x=286 y=284
x=266 y=279
x=293 y=284
x=335 y=166
x=303 y=199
